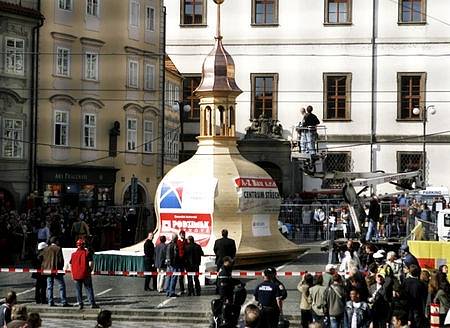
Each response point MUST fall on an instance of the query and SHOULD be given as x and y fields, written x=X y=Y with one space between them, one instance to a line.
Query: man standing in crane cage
x=310 y=121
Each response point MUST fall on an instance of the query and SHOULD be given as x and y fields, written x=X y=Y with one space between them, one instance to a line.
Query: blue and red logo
x=171 y=195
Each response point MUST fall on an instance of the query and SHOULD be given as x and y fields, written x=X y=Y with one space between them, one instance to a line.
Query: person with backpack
x=305 y=300
x=81 y=264
x=335 y=302
x=317 y=293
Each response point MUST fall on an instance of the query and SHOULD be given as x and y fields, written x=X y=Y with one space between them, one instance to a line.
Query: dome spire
x=218 y=35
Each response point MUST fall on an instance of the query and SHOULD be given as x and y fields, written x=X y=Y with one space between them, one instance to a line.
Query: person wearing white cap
x=40 y=293
x=330 y=271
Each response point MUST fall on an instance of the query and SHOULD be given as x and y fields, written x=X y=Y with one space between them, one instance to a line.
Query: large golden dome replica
x=218 y=188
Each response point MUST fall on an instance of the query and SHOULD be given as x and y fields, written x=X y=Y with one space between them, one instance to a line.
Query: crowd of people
x=374 y=289
x=105 y=228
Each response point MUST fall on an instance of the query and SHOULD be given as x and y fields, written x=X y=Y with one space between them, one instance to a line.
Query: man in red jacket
x=81 y=266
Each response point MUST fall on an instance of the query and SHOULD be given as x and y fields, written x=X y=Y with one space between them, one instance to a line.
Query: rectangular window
x=12 y=138
x=15 y=49
x=409 y=161
x=148 y=136
x=190 y=83
x=89 y=130
x=338 y=11
x=193 y=12
x=65 y=4
x=411 y=94
x=336 y=161
x=412 y=11
x=134 y=13
x=265 y=12
x=92 y=7
x=149 y=77
x=91 y=66
x=133 y=73
x=337 y=91
x=131 y=134
x=264 y=95
x=62 y=61
x=150 y=19
x=61 y=128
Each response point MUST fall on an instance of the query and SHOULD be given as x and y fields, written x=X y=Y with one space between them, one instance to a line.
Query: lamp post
x=182 y=108
x=424 y=111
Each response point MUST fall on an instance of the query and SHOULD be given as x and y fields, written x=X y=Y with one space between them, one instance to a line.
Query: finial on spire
x=218 y=3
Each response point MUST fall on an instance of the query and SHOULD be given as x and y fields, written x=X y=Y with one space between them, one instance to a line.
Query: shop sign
x=256 y=194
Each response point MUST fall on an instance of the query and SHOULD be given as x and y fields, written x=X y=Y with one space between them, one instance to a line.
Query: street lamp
x=176 y=107
x=424 y=110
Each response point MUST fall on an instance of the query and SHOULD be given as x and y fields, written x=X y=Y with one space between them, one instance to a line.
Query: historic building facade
x=100 y=101
x=364 y=66
x=19 y=21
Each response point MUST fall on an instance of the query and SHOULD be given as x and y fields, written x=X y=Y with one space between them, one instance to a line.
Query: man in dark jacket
x=224 y=247
x=267 y=295
x=310 y=121
x=226 y=282
x=52 y=259
x=193 y=257
x=374 y=217
x=160 y=262
x=173 y=265
x=149 y=262
x=416 y=294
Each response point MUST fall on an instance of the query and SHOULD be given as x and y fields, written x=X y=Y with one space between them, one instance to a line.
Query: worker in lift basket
x=310 y=121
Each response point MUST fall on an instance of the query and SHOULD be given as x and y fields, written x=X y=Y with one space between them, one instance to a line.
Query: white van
x=443 y=225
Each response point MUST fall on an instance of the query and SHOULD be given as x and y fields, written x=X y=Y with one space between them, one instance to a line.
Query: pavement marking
x=162 y=304
x=21 y=293
x=324 y=242
x=287 y=263
x=104 y=292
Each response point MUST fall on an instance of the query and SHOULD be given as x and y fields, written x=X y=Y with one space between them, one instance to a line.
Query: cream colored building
x=99 y=67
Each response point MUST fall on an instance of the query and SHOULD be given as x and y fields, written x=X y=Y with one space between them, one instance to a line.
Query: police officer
x=281 y=288
x=226 y=282
x=267 y=294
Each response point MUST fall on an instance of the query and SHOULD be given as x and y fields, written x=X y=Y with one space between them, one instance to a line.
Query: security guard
x=267 y=295
x=281 y=287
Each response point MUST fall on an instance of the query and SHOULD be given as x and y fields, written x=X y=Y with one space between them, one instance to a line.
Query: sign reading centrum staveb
x=187 y=205
x=257 y=194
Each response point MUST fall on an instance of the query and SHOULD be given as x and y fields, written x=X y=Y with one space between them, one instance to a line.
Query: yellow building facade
x=100 y=100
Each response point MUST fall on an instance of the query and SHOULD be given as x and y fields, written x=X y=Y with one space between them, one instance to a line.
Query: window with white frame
x=131 y=134
x=12 y=138
x=65 y=4
x=61 y=128
x=89 y=130
x=149 y=77
x=133 y=73
x=150 y=19
x=63 y=61
x=92 y=7
x=148 y=136
x=15 y=56
x=134 y=13
x=91 y=66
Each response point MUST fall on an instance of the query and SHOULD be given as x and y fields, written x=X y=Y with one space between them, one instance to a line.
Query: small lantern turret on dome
x=218 y=90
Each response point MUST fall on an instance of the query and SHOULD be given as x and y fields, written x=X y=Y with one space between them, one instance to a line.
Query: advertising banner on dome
x=187 y=205
x=257 y=194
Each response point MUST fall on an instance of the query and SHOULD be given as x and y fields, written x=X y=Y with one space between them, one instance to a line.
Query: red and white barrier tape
x=152 y=273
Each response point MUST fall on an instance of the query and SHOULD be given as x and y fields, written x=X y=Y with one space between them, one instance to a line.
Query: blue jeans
x=336 y=322
x=371 y=230
x=310 y=137
x=62 y=288
x=172 y=281
x=90 y=290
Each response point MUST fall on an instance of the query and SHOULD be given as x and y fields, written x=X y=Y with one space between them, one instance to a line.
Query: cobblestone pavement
x=58 y=323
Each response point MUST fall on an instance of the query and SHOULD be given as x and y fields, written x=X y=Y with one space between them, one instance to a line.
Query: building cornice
x=63 y=36
x=92 y=42
x=61 y=97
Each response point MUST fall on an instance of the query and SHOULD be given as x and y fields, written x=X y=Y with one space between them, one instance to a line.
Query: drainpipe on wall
x=163 y=91
x=374 y=87
x=34 y=102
